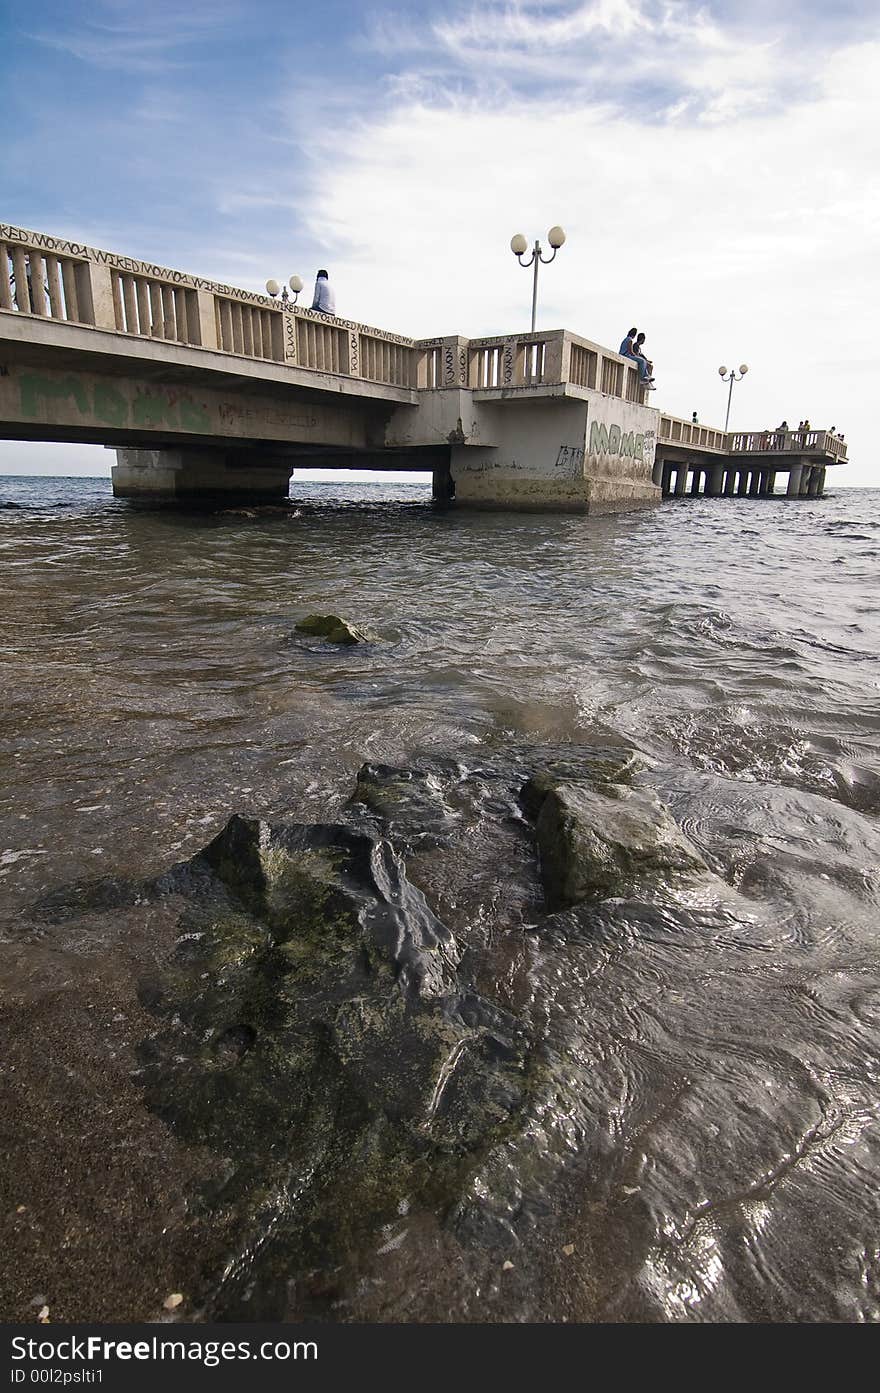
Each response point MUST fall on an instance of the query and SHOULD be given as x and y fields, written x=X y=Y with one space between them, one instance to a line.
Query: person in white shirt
x=325 y=299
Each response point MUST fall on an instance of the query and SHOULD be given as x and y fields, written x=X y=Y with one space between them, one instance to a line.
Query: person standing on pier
x=324 y=297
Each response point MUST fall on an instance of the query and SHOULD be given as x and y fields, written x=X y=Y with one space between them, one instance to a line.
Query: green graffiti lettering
x=614 y=440
x=153 y=411
x=36 y=390
x=598 y=438
x=110 y=405
x=626 y=445
x=194 y=415
x=639 y=447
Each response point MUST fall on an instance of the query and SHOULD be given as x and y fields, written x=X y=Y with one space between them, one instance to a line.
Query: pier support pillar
x=443 y=484
x=201 y=476
x=667 y=479
x=743 y=486
x=696 y=481
x=771 y=482
x=813 y=483
x=657 y=472
x=714 y=481
x=730 y=483
x=794 y=482
x=681 y=474
x=820 y=490
x=755 y=484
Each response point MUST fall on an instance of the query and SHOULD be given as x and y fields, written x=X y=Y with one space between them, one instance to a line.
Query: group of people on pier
x=633 y=347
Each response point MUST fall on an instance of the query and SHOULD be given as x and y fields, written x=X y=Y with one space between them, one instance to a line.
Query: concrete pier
x=212 y=393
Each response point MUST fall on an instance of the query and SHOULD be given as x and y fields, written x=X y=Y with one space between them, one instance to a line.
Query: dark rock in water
x=315 y=1034
x=332 y=628
x=16 y=506
x=598 y=843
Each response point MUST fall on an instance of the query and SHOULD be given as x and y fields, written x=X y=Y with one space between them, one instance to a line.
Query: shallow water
x=708 y=1130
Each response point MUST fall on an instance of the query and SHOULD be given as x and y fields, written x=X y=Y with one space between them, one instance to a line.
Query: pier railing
x=507 y=363
x=50 y=278
x=798 y=442
x=676 y=431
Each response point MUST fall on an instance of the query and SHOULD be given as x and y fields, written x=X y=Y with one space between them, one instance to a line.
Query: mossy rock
x=597 y=844
x=332 y=628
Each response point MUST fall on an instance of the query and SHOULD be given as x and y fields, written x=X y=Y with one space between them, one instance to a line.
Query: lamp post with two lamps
x=731 y=377
x=518 y=246
x=295 y=283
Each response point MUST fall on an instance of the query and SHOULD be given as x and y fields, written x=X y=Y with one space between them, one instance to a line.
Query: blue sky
x=714 y=167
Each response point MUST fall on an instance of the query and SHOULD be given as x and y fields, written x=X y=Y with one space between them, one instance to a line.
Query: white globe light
x=518 y=244
x=556 y=236
x=296 y=284
x=273 y=287
x=722 y=371
x=743 y=367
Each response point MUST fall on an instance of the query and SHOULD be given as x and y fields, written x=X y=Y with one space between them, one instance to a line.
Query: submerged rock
x=599 y=843
x=332 y=628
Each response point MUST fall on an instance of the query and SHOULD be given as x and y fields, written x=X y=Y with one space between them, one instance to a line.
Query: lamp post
x=295 y=283
x=518 y=245
x=731 y=377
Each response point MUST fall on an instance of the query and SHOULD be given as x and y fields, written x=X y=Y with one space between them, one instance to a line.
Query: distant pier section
x=210 y=394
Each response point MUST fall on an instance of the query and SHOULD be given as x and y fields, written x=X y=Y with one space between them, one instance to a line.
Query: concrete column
x=207 y=477
x=729 y=483
x=743 y=485
x=814 y=482
x=755 y=484
x=696 y=481
x=94 y=294
x=806 y=476
x=771 y=482
x=794 y=481
x=203 y=318
x=666 y=487
x=443 y=490
x=657 y=473
x=681 y=474
x=820 y=491
x=714 y=481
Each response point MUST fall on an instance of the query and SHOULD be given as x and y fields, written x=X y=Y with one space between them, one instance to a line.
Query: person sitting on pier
x=324 y=298
x=630 y=349
x=639 y=350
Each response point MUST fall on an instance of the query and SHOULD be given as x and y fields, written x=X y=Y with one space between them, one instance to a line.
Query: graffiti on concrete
x=611 y=440
x=111 y=405
x=570 y=458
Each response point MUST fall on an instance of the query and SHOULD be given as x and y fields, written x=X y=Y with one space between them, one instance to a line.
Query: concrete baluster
x=53 y=281
x=5 y=287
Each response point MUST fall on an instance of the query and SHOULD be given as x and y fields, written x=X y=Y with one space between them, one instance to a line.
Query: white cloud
x=752 y=239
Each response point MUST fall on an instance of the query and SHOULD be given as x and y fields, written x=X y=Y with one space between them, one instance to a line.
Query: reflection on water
x=706 y=1130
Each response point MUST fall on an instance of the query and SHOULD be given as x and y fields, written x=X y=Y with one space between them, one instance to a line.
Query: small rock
x=43 y=1316
x=507 y=1266
x=172 y=1302
x=22 y=1208
x=330 y=627
x=568 y=1249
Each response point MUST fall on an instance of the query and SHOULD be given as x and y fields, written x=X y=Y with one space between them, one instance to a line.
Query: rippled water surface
x=706 y=1137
